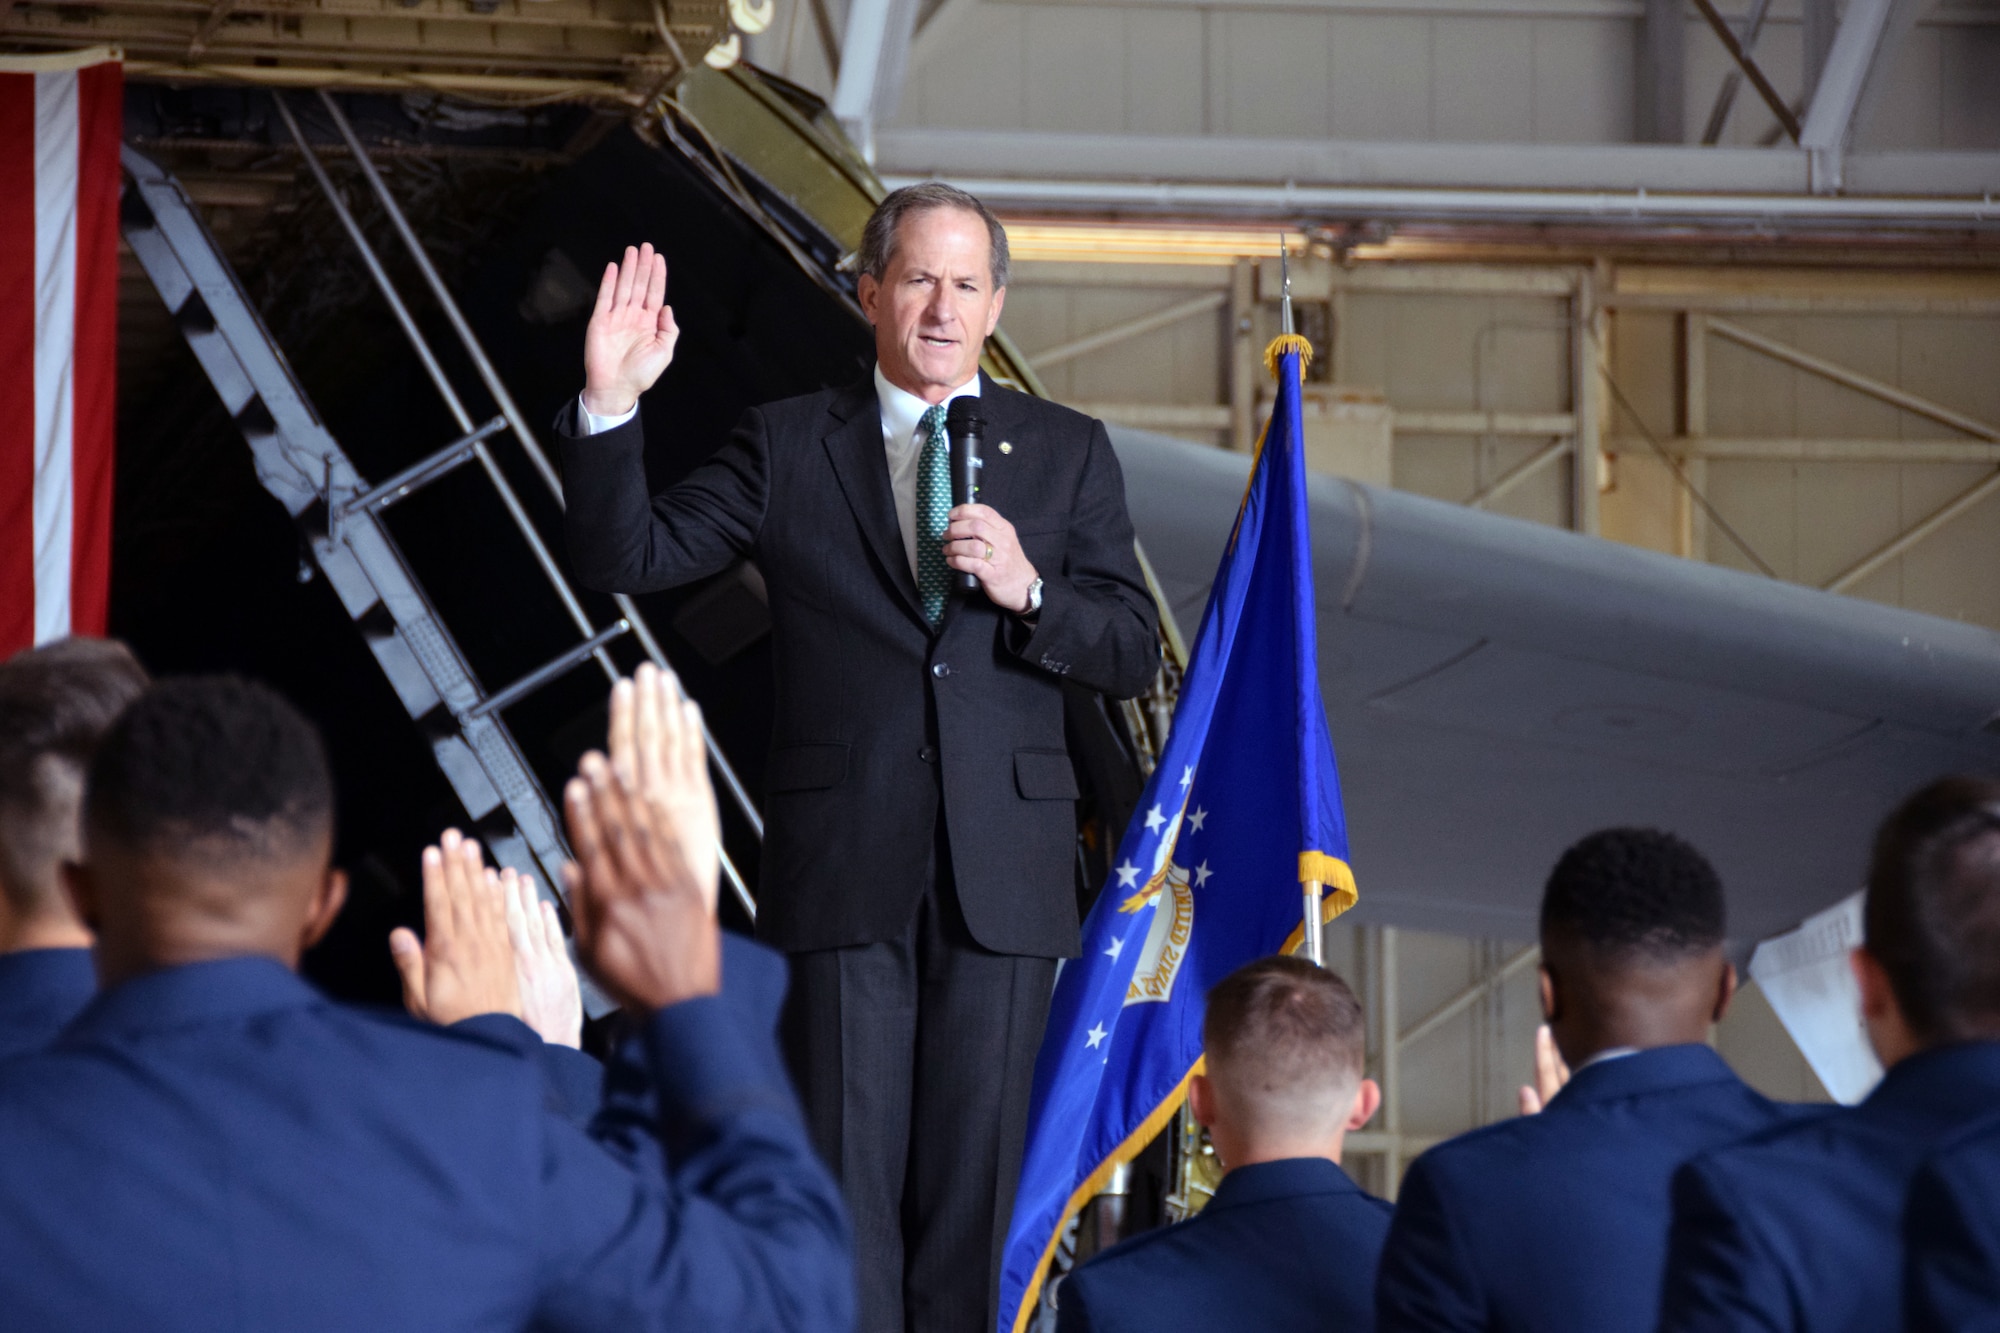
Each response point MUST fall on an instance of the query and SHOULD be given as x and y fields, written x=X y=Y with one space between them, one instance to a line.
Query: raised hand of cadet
x=630 y=340
x=1550 y=1073
x=551 y=1002
x=657 y=752
x=643 y=823
x=464 y=965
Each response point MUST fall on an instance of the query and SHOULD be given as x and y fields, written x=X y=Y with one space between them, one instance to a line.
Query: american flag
x=60 y=123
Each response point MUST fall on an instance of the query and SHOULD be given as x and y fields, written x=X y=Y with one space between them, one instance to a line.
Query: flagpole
x=1312 y=939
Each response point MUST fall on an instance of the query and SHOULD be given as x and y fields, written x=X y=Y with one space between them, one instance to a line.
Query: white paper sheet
x=1805 y=975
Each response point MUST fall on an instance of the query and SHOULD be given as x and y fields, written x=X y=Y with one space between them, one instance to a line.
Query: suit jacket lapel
x=854 y=445
x=1003 y=425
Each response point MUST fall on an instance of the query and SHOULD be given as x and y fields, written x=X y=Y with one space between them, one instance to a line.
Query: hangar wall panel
x=1330 y=70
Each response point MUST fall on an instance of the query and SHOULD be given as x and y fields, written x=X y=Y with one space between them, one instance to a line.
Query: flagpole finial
x=1285 y=269
x=1288 y=339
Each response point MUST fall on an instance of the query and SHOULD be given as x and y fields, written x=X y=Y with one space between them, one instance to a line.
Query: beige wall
x=1429 y=70
x=1453 y=338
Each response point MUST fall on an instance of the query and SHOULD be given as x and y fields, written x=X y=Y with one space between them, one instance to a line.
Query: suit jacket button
x=928 y=754
x=940 y=670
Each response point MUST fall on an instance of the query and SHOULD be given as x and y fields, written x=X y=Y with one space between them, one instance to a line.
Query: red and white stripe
x=60 y=122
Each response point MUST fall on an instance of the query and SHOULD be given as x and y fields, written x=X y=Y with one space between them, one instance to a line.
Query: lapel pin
x=1006 y=447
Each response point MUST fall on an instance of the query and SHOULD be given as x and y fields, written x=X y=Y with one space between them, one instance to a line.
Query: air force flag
x=1243 y=808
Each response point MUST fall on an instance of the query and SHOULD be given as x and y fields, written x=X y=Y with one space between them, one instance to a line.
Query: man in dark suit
x=1951 y=1234
x=1799 y=1228
x=1289 y=1242
x=213 y=1145
x=55 y=702
x=920 y=845
x=1558 y=1220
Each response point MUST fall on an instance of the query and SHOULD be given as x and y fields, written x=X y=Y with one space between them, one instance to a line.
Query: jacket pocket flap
x=807 y=768
x=1044 y=775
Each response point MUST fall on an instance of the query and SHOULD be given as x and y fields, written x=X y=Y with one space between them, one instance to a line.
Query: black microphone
x=963 y=426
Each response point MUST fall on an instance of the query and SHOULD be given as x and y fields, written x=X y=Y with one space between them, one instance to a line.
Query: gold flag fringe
x=1283 y=343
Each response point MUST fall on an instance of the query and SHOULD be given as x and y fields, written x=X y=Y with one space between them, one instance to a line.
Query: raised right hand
x=1550 y=1073
x=551 y=1003
x=643 y=823
x=630 y=341
x=464 y=965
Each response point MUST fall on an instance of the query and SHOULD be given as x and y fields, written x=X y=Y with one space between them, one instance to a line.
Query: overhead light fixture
x=1033 y=239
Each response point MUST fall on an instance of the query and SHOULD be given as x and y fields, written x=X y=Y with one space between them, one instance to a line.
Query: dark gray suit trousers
x=928 y=1165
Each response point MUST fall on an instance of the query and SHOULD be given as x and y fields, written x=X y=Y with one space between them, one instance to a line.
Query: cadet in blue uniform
x=55 y=702
x=213 y=1145
x=1289 y=1242
x=1558 y=1221
x=1800 y=1228
x=1951 y=1228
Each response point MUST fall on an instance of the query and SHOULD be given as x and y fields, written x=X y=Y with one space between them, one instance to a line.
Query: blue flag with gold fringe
x=1243 y=809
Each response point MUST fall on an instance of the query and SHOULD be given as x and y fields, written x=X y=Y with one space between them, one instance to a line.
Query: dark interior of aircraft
x=209 y=571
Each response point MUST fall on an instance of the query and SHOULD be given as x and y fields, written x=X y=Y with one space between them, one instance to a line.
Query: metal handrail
x=474 y=441
x=488 y=376
x=515 y=510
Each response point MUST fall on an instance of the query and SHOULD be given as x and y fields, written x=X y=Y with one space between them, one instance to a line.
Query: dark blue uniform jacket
x=1283 y=1247
x=40 y=990
x=1558 y=1222
x=1951 y=1233
x=1800 y=1228
x=220 y=1147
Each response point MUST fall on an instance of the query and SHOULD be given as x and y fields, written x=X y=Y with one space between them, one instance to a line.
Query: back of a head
x=1286 y=1043
x=1627 y=898
x=1932 y=917
x=56 y=703
x=214 y=770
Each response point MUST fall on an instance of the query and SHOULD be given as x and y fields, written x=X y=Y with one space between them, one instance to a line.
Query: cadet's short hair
x=1286 y=1034
x=56 y=703
x=1635 y=895
x=1932 y=915
x=880 y=237
x=216 y=767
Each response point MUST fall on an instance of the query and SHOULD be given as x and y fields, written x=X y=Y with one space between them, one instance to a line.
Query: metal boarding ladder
x=300 y=463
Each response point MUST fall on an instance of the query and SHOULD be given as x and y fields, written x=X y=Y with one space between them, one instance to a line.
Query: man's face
x=936 y=305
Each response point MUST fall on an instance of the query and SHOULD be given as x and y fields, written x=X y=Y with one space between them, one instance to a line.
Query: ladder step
x=423 y=472
x=547 y=672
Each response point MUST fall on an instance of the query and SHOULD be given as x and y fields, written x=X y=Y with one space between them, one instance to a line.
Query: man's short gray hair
x=878 y=238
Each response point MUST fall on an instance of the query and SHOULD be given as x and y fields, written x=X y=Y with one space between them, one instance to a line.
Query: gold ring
x=989 y=550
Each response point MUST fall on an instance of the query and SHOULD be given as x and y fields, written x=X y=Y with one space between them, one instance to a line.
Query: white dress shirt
x=1605 y=1057
x=901 y=414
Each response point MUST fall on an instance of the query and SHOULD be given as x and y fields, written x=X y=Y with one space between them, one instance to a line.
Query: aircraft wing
x=1497 y=688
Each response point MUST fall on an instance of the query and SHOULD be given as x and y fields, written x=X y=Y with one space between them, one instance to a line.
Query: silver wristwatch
x=1034 y=598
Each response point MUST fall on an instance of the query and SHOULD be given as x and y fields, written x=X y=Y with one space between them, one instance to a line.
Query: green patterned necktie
x=933 y=514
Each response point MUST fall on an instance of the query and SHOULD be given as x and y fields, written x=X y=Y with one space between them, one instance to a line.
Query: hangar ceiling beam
x=1741 y=55
x=1818 y=22
x=1637 y=207
x=874 y=56
x=1862 y=48
x=1617 y=171
x=1662 y=73
x=1725 y=96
